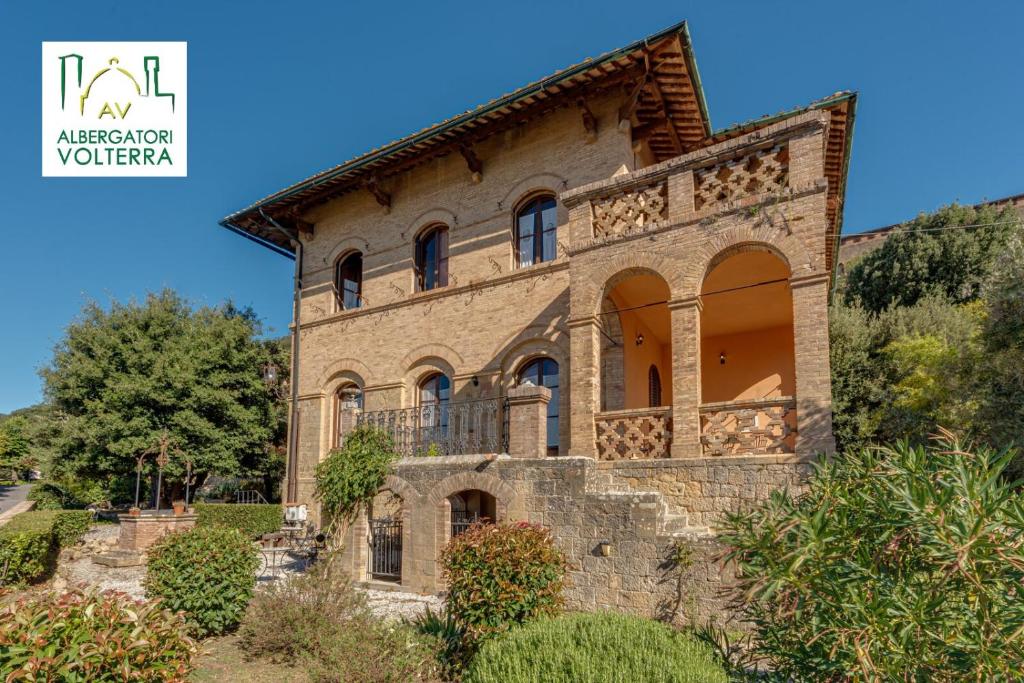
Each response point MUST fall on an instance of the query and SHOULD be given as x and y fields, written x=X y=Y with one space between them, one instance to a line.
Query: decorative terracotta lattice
x=748 y=428
x=629 y=211
x=634 y=434
x=762 y=171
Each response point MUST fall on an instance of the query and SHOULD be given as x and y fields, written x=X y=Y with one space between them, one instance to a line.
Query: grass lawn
x=221 y=659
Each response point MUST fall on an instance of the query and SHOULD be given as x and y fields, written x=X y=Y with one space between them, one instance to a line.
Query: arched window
x=348 y=281
x=653 y=387
x=348 y=395
x=432 y=259
x=435 y=392
x=543 y=372
x=536 y=231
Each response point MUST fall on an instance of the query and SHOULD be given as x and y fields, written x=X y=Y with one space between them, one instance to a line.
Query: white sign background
x=146 y=113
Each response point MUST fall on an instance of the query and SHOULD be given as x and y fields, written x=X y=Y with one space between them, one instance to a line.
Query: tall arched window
x=435 y=392
x=536 y=231
x=543 y=372
x=432 y=258
x=348 y=395
x=653 y=387
x=348 y=281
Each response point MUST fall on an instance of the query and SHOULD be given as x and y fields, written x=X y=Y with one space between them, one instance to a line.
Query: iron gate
x=386 y=549
x=462 y=520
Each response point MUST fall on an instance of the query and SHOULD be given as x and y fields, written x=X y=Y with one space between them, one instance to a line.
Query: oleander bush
x=897 y=563
x=80 y=637
x=209 y=573
x=600 y=646
x=317 y=622
x=251 y=520
x=500 y=575
x=30 y=541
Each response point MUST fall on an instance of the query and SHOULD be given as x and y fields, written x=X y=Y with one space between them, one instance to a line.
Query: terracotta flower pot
x=179 y=507
x=134 y=512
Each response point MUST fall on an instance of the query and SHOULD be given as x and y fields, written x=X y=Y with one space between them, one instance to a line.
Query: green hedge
x=30 y=541
x=251 y=520
x=601 y=646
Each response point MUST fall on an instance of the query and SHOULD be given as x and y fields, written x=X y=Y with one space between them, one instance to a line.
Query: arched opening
x=432 y=258
x=543 y=372
x=384 y=514
x=636 y=335
x=433 y=414
x=748 y=378
x=348 y=281
x=653 y=386
x=536 y=230
x=469 y=507
x=347 y=398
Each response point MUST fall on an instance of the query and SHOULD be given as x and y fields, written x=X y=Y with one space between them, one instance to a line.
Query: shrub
x=207 y=572
x=319 y=623
x=897 y=563
x=354 y=473
x=499 y=575
x=47 y=496
x=251 y=520
x=601 y=646
x=92 y=637
x=70 y=525
x=452 y=650
x=30 y=541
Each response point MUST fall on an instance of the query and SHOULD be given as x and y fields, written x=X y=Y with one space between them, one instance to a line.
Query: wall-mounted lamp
x=476 y=381
x=639 y=339
x=604 y=548
x=721 y=358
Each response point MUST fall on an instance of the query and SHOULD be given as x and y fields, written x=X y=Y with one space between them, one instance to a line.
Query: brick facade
x=622 y=217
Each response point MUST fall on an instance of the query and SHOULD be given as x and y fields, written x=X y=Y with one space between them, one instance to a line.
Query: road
x=12 y=495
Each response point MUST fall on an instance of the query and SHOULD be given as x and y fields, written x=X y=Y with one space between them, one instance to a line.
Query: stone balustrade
x=754 y=427
x=637 y=434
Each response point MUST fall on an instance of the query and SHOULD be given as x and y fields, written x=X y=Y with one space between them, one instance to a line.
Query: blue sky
x=280 y=90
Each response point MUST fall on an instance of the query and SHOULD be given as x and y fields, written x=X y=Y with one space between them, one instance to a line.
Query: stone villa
x=578 y=304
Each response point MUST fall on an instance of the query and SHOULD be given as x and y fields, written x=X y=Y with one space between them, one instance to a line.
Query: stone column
x=685 y=318
x=813 y=375
x=528 y=420
x=585 y=383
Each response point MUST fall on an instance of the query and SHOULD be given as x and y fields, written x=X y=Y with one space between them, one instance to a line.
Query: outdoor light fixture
x=721 y=358
x=270 y=374
x=605 y=548
x=476 y=381
x=639 y=339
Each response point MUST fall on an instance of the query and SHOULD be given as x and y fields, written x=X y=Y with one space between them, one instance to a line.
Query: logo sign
x=114 y=109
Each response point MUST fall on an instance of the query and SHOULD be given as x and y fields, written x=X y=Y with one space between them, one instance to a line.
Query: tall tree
x=124 y=377
x=947 y=253
x=14 y=447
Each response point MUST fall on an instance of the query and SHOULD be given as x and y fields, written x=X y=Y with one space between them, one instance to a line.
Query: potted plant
x=179 y=507
x=134 y=511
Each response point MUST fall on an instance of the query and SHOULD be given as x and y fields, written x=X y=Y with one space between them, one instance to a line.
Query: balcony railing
x=754 y=427
x=638 y=434
x=456 y=428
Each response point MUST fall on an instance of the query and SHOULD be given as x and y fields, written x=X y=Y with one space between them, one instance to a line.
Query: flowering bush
x=207 y=572
x=78 y=637
x=499 y=575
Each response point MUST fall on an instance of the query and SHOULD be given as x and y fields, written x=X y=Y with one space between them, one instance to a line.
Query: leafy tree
x=124 y=377
x=39 y=425
x=14 y=448
x=930 y=255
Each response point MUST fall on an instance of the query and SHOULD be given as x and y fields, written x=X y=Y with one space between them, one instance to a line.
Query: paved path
x=12 y=495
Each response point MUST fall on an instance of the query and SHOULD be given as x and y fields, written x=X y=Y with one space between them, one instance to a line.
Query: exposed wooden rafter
x=382 y=197
x=589 y=120
x=473 y=163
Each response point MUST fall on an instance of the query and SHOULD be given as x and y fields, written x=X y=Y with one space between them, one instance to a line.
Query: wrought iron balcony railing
x=455 y=428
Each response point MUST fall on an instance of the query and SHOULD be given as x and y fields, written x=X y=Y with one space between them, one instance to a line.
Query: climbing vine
x=352 y=474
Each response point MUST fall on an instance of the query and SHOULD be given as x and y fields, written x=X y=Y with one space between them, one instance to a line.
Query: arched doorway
x=748 y=378
x=469 y=507
x=543 y=372
x=384 y=515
